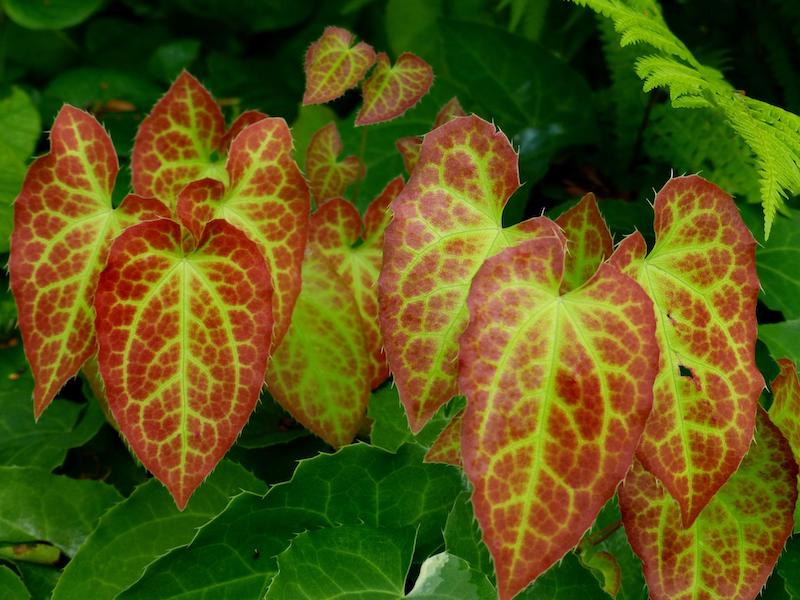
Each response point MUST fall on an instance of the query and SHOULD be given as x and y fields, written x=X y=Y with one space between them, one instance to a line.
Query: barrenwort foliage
x=355 y=356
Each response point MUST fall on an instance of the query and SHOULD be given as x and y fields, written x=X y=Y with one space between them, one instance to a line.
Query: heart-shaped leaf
x=63 y=227
x=334 y=65
x=268 y=199
x=702 y=279
x=558 y=390
x=447 y=221
x=392 y=89
x=183 y=342
x=732 y=546
x=589 y=241
x=329 y=177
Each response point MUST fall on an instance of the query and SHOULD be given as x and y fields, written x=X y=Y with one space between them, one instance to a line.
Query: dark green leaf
x=11 y=586
x=782 y=339
x=20 y=127
x=50 y=14
x=37 y=505
x=39 y=579
x=566 y=580
x=269 y=425
x=463 y=537
x=789 y=567
x=169 y=59
x=143 y=527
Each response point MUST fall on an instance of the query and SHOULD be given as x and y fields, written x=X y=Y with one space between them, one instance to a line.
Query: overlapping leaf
x=63 y=226
x=321 y=372
x=702 y=280
x=447 y=221
x=335 y=231
x=183 y=139
x=268 y=199
x=558 y=390
x=334 y=65
x=183 y=343
x=392 y=89
x=447 y=447
x=732 y=546
x=589 y=241
x=409 y=147
x=329 y=177
x=785 y=410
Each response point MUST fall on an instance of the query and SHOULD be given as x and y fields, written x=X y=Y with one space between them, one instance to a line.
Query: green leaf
x=144 y=526
x=463 y=537
x=255 y=15
x=11 y=586
x=36 y=505
x=20 y=124
x=362 y=563
x=12 y=173
x=566 y=580
x=39 y=579
x=26 y=442
x=776 y=261
x=789 y=567
x=269 y=425
x=310 y=119
x=359 y=485
x=353 y=563
x=782 y=339
x=169 y=59
x=50 y=14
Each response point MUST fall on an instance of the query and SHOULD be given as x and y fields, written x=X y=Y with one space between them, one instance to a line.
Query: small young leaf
x=589 y=241
x=447 y=447
x=558 y=391
x=391 y=90
x=176 y=141
x=321 y=372
x=333 y=65
x=268 y=199
x=183 y=345
x=447 y=221
x=732 y=546
x=63 y=226
x=785 y=411
x=241 y=123
x=450 y=110
x=334 y=233
x=409 y=147
x=328 y=176
x=702 y=279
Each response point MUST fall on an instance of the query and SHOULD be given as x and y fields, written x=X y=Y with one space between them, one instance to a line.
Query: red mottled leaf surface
x=63 y=226
x=334 y=65
x=702 y=279
x=785 y=411
x=183 y=345
x=732 y=546
x=558 y=390
x=175 y=142
x=589 y=241
x=392 y=89
x=321 y=372
x=334 y=232
x=409 y=147
x=248 y=117
x=447 y=221
x=268 y=199
x=447 y=447
x=328 y=176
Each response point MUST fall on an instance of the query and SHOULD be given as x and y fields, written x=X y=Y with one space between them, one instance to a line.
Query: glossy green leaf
x=463 y=537
x=20 y=124
x=566 y=580
x=359 y=485
x=50 y=14
x=11 y=586
x=141 y=528
x=789 y=567
x=782 y=339
x=38 y=506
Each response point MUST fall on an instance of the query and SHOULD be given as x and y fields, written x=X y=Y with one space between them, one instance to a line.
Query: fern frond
x=771 y=134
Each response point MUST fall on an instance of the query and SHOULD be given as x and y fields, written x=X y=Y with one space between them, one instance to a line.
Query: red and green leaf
x=392 y=89
x=447 y=221
x=183 y=345
x=241 y=123
x=701 y=277
x=447 y=447
x=63 y=227
x=732 y=546
x=177 y=140
x=321 y=372
x=334 y=233
x=589 y=241
x=558 y=390
x=409 y=147
x=785 y=411
x=334 y=65
x=329 y=177
x=268 y=199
